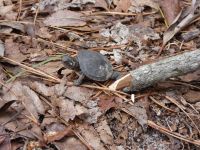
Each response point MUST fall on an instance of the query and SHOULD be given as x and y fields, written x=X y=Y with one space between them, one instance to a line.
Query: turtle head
x=70 y=62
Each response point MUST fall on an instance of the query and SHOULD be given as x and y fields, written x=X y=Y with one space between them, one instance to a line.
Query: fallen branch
x=148 y=75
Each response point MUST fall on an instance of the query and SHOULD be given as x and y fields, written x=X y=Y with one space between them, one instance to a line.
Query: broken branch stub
x=149 y=74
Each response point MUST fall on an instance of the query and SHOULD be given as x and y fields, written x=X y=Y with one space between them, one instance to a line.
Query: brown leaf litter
x=40 y=108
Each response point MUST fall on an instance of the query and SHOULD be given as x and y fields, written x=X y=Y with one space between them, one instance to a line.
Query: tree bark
x=149 y=74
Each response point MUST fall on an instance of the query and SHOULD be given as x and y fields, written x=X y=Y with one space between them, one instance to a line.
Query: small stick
x=158 y=71
x=118 y=13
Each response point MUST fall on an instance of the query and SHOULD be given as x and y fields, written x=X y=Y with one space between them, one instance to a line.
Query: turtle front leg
x=116 y=75
x=79 y=80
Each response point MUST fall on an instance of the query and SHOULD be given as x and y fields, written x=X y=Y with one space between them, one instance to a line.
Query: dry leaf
x=71 y=143
x=123 y=34
x=14 y=25
x=92 y=137
x=5 y=141
x=90 y=112
x=101 y=4
x=10 y=125
x=25 y=128
x=42 y=88
x=35 y=131
x=65 y=18
x=44 y=33
x=67 y=109
x=80 y=3
x=80 y=110
x=6 y=30
x=105 y=132
x=79 y=94
x=12 y=50
x=138 y=111
x=106 y=102
x=5 y=9
x=56 y=131
x=16 y=145
x=192 y=96
x=32 y=103
x=33 y=99
x=30 y=30
x=194 y=76
x=170 y=8
x=184 y=18
x=123 y=6
x=44 y=4
x=59 y=89
x=92 y=115
x=51 y=67
x=5 y=105
x=149 y=3
x=12 y=91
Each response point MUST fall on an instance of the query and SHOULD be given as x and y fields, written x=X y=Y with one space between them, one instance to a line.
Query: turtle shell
x=94 y=65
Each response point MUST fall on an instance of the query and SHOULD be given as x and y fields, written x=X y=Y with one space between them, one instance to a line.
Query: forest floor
x=41 y=108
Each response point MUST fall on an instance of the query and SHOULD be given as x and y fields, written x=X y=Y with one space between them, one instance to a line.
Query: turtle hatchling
x=92 y=65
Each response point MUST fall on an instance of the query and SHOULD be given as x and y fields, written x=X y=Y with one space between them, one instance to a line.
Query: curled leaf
x=65 y=18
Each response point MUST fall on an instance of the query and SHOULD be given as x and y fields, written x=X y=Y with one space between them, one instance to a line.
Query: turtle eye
x=71 y=63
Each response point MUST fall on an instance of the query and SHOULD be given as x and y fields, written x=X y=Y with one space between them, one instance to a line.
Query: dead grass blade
x=173 y=134
x=179 y=106
x=160 y=104
x=120 y=13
